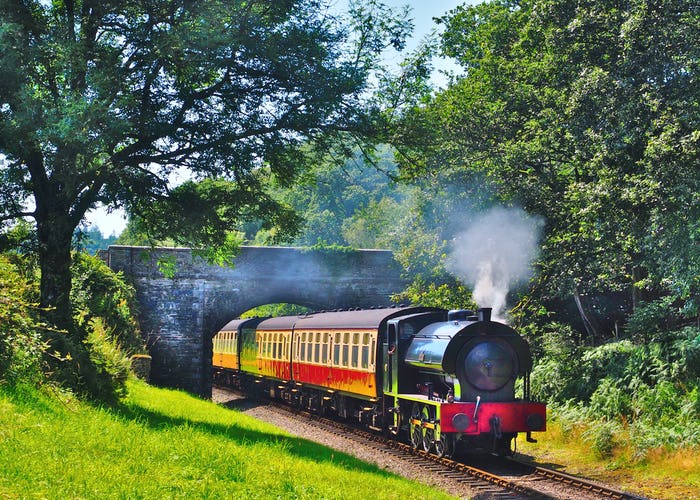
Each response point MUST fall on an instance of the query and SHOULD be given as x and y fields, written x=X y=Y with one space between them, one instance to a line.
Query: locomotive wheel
x=444 y=447
x=427 y=414
x=415 y=431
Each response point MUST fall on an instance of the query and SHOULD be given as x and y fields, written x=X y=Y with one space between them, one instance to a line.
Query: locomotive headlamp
x=460 y=422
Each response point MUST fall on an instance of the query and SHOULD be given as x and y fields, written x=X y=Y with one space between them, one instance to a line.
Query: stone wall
x=180 y=314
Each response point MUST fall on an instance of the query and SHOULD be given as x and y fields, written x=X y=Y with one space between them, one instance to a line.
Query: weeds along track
x=482 y=477
x=577 y=483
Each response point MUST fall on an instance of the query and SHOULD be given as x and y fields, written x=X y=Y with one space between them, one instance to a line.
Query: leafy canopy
x=116 y=102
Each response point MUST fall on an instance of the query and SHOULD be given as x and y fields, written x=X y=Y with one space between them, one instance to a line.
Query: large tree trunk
x=55 y=233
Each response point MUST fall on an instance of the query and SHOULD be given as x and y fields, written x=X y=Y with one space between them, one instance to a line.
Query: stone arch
x=180 y=314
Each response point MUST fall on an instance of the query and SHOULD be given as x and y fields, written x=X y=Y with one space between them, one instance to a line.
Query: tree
x=91 y=240
x=109 y=101
x=585 y=113
x=348 y=203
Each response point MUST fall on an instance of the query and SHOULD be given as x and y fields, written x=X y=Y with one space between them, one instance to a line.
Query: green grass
x=167 y=444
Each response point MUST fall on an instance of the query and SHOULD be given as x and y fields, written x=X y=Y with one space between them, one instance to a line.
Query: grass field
x=167 y=444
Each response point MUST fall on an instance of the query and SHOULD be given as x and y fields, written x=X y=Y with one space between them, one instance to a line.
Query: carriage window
x=324 y=347
x=365 y=350
x=317 y=347
x=355 y=352
x=346 y=349
x=336 y=349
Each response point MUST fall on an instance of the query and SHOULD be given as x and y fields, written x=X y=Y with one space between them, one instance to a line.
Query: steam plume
x=496 y=253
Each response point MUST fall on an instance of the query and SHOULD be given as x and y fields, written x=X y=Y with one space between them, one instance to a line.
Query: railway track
x=490 y=478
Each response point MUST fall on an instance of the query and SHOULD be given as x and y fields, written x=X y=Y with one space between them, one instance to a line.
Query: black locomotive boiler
x=442 y=380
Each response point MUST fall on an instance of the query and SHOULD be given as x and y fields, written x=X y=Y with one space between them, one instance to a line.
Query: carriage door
x=390 y=358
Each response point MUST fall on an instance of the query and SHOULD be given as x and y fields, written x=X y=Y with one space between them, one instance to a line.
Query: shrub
x=110 y=363
x=610 y=401
x=601 y=437
x=99 y=292
x=650 y=319
x=106 y=331
x=20 y=333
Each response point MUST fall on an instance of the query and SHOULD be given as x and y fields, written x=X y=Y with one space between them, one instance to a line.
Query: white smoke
x=496 y=253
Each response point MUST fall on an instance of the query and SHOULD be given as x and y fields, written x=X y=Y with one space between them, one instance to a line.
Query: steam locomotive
x=444 y=381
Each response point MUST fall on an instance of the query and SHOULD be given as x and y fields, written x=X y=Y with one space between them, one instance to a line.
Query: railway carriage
x=441 y=380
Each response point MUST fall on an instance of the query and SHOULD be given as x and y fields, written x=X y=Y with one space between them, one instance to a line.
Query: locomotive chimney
x=484 y=314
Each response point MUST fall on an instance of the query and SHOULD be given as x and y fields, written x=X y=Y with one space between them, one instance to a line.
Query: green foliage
x=650 y=320
x=91 y=240
x=274 y=310
x=94 y=111
x=651 y=388
x=586 y=114
x=111 y=365
x=601 y=437
x=21 y=345
x=341 y=203
x=98 y=292
x=20 y=238
x=93 y=358
x=451 y=295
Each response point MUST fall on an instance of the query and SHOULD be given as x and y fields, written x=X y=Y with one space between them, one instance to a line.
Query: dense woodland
x=556 y=177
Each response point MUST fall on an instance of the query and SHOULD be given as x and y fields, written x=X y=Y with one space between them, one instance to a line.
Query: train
x=444 y=381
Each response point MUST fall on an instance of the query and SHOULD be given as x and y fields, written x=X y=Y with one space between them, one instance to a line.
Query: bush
x=601 y=437
x=650 y=319
x=110 y=363
x=21 y=347
x=610 y=401
x=106 y=331
x=652 y=390
x=99 y=292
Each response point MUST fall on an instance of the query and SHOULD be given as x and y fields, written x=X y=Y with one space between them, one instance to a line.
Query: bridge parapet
x=180 y=314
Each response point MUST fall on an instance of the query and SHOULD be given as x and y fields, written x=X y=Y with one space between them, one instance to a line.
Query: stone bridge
x=180 y=314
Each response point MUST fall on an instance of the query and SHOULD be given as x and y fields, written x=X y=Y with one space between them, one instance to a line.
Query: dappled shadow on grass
x=243 y=436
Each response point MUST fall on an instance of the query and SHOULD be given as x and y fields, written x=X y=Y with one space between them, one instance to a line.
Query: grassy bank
x=161 y=443
x=663 y=475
